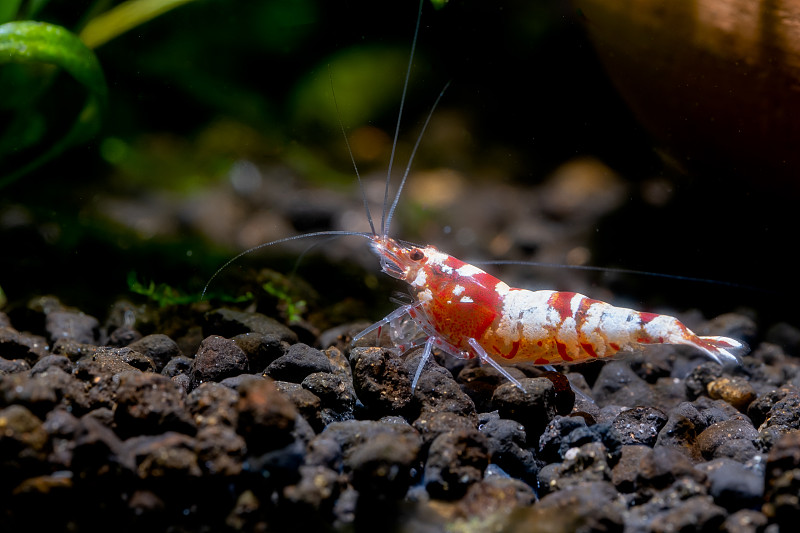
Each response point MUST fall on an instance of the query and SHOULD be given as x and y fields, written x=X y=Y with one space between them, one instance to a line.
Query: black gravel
x=229 y=423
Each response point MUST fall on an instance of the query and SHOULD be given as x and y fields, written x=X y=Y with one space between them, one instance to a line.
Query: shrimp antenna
x=384 y=229
x=613 y=270
x=352 y=158
x=411 y=159
x=270 y=243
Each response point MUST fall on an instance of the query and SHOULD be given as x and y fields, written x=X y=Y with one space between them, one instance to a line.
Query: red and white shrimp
x=468 y=313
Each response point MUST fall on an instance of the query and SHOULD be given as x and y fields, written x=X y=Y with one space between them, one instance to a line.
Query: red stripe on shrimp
x=561 y=302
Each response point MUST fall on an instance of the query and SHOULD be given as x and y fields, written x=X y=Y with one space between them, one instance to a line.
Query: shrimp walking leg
x=394 y=315
x=426 y=353
x=486 y=358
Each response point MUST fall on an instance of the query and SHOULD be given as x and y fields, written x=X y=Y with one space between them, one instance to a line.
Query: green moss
x=165 y=295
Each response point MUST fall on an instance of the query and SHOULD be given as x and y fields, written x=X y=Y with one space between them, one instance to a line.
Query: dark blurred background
x=221 y=133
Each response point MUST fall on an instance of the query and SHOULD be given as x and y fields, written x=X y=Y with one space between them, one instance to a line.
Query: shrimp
x=468 y=313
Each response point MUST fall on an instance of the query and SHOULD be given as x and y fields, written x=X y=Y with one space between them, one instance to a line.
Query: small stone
x=618 y=384
x=534 y=407
x=626 y=471
x=145 y=502
x=150 y=403
x=733 y=485
x=715 y=440
x=768 y=353
x=507 y=447
x=786 y=336
x=594 y=506
x=430 y=425
x=745 y=521
x=218 y=358
x=698 y=379
x=213 y=404
x=381 y=466
x=336 y=394
x=342 y=336
x=177 y=365
x=697 y=513
x=340 y=438
x=736 y=391
x=315 y=492
x=585 y=464
x=639 y=425
x=680 y=432
x=761 y=406
x=300 y=361
x=261 y=349
x=236 y=381
x=136 y=359
x=230 y=323
x=183 y=381
x=552 y=442
x=72 y=325
x=244 y=515
x=479 y=382
x=782 y=498
x=167 y=455
x=97 y=448
x=102 y=362
x=784 y=414
x=456 y=460
x=652 y=364
x=22 y=437
x=381 y=380
x=564 y=395
x=55 y=485
x=15 y=345
x=492 y=499
x=160 y=348
x=220 y=450
x=42 y=392
x=123 y=336
x=14 y=366
x=74 y=350
x=266 y=417
x=52 y=361
x=437 y=391
x=661 y=467
x=305 y=401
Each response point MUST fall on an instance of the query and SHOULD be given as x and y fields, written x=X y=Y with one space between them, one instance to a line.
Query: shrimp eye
x=416 y=254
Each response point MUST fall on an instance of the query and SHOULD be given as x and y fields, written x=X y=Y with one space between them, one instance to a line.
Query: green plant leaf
x=38 y=43
x=9 y=9
x=123 y=17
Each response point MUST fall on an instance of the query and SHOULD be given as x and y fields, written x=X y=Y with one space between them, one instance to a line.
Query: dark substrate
x=198 y=419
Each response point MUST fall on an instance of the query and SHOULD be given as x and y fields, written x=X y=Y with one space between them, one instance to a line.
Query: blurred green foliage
x=140 y=101
x=44 y=116
x=31 y=52
x=165 y=295
x=55 y=93
x=289 y=303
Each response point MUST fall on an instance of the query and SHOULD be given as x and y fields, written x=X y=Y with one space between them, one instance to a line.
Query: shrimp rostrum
x=468 y=313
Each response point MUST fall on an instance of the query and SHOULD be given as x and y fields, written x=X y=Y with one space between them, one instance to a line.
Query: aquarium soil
x=189 y=418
